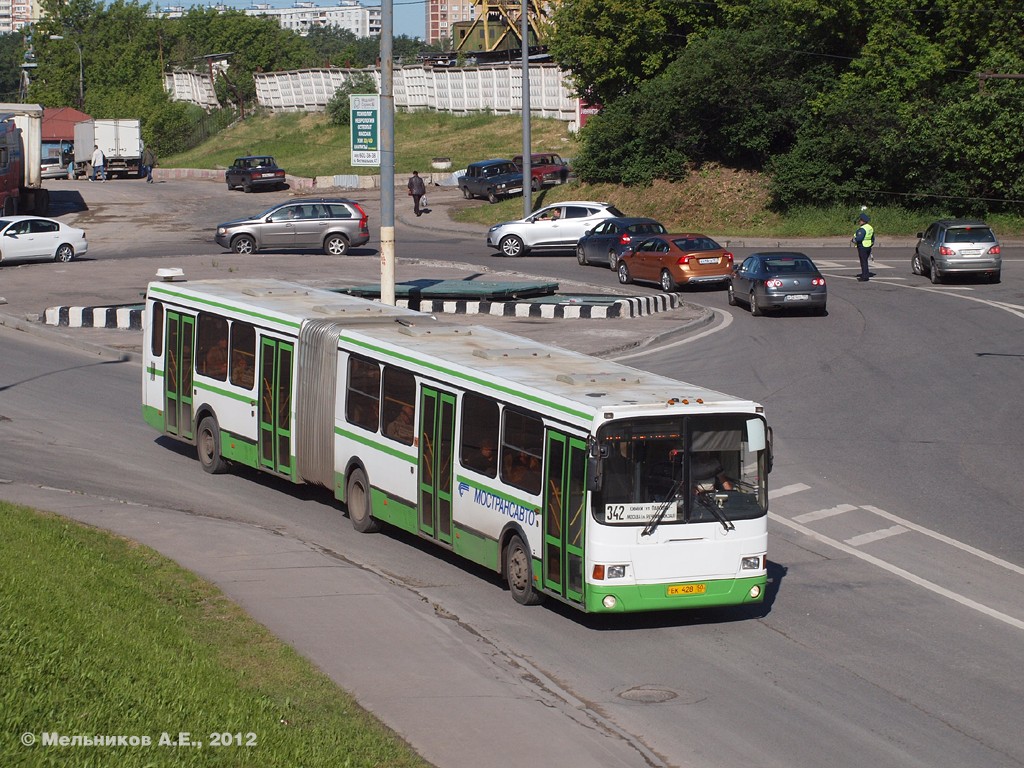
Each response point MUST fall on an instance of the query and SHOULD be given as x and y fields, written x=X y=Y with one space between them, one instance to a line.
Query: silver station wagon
x=332 y=225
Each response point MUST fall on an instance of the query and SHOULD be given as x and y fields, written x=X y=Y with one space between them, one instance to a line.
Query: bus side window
x=399 y=404
x=522 y=450
x=157 y=330
x=479 y=439
x=243 y=354
x=212 y=346
x=362 y=404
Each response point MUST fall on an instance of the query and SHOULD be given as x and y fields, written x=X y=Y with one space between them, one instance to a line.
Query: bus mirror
x=594 y=478
x=770 y=459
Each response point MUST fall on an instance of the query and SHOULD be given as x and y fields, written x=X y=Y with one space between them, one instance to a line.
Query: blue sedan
x=780 y=280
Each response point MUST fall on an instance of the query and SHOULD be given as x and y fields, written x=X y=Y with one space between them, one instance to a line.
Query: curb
x=128 y=317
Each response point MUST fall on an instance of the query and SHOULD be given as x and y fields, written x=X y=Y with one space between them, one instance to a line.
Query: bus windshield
x=689 y=469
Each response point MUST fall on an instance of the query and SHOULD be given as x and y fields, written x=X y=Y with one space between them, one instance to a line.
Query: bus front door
x=436 y=449
x=179 y=357
x=275 y=434
x=564 y=514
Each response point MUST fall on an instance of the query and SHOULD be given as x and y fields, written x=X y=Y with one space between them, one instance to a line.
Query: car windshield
x=970 y=235
x=789 y=265
x=262 y=162
x=494 y=170
x=696 y=244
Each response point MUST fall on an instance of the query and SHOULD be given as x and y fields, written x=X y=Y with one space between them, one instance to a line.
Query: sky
x=408 y=15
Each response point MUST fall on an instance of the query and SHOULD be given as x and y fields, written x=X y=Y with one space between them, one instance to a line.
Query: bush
x=338 y=106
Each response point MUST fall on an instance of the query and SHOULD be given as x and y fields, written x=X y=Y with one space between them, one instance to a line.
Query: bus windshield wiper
x=708 y=501
x=659 y=515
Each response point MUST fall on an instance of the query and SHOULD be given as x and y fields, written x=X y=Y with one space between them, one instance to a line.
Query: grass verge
x=101 y=636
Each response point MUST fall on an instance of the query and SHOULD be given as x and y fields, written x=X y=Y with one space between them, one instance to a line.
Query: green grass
x=306 y=145
x=99 y=635
x=715 y=200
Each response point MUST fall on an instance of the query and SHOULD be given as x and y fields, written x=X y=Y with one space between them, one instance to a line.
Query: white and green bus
x=600 y=485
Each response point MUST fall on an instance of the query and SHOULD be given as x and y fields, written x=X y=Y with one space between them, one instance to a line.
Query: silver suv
x=334 y=225
x=957 y=246
x=557 y=227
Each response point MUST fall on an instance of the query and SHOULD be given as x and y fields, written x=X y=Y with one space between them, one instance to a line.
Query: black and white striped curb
x=129 y=316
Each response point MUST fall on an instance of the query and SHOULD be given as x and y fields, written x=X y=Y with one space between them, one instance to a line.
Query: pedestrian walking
x=98 y=163
x=148 y=161
x=417 y=189
x=864 y=238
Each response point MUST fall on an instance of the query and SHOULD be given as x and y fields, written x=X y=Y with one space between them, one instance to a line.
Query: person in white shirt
x=98 y=161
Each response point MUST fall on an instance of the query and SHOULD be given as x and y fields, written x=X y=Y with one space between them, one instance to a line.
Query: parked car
x=34 y=237
x=776 y=281
x=674 y=260
x=957 y=246
x=605 y=243
x=546 y=169
x=493 y=179
x=335 y=225
x=557 y=227
x=254 y=171
x=52 y=168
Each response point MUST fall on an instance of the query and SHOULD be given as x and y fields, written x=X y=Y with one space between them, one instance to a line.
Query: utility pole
x=524 y=27
x=387 y=155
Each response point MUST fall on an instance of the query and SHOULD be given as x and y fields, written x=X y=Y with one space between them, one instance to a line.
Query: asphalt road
x=892 y=631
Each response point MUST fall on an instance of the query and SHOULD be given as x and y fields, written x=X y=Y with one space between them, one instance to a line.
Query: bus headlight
x=755 y=591
x=616 y=571
x=751 y=563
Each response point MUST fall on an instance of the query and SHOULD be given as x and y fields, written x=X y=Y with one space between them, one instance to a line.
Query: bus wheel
x=208 y=447
x=357 y=499
x=519 y=573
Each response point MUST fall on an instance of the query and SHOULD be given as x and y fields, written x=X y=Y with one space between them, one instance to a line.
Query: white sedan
x=33 y=237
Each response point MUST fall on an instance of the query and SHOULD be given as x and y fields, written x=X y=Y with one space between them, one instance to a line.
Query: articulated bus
x=575 y=478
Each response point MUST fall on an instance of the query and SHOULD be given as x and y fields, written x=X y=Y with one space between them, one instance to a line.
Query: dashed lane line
x=913 y=578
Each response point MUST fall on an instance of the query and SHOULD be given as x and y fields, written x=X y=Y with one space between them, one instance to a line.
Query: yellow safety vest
x=869 y=234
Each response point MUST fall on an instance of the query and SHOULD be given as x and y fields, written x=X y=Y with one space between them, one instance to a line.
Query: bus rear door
x=179 y=357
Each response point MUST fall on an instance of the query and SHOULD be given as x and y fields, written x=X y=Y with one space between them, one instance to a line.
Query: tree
x=610 y=47
x=338 y=108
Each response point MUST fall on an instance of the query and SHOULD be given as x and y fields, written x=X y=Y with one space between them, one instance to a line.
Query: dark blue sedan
x=782 y=280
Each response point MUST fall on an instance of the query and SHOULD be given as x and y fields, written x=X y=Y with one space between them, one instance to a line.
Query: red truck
x=21 y=149
x=547 y=169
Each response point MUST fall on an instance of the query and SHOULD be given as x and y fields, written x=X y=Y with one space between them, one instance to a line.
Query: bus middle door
x=275 y=432
x=179 y=358
x=436 y=449
x=564 y=514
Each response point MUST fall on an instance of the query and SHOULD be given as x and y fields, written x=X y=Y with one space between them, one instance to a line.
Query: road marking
x=821 y=514
x=725 y=320
x=946 y=540
x=788 y=489
x=884 y=533
x=900 y=572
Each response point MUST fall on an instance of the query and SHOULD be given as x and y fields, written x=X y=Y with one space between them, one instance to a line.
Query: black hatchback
x=782 y=280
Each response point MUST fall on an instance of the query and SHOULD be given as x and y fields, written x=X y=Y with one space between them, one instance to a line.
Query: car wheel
x=755 y=308
x=667 y=283
x=613 y=259
x=208 y=447
x=820 y=311
x=916 y=265
x=243 y=244
x=624 y=277
x=64 y=253
x=231 y=187
x=492 y=198
x=519 y=573
x=732 y=296
x=511 y=245
x=581 y=254
x=995 y=277
x=933 y=273
x=336 y=245
x=466 y=193
x=357 y=500
x=246 y=186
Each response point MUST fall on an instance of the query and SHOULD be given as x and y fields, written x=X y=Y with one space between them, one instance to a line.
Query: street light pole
x=81 y=69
